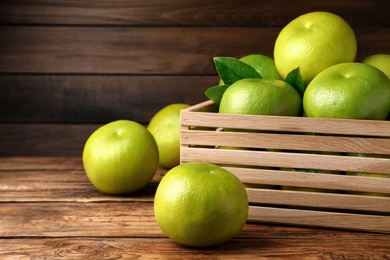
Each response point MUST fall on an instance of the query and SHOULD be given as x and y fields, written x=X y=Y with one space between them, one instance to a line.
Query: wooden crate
x=298 y=170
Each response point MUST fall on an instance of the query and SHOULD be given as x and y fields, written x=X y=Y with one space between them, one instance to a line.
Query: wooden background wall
x=69 y=66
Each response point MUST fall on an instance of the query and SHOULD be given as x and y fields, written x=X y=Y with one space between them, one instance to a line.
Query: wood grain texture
x=289 y=245
x=205 y=115
x=53 y=179
x=332 y=182
x=95 y=98
x=20 y=164
x=128 y=50
x=284 y=159
x=185 y=13
x=287 y=140
x=67 y=67
x=140 y=50
x=324 y=219
x=78 y=219
x=118 y=227
x=44 y=139
x=91 y=62
x=324 y=200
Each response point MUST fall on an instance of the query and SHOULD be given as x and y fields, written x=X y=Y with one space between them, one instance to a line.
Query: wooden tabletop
x=49 y=210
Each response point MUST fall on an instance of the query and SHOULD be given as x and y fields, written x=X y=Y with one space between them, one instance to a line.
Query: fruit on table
x=200 y=204
x=120 y=157
x=313 y=42
x=261 y=97
x=348 y=90
x=165 y=128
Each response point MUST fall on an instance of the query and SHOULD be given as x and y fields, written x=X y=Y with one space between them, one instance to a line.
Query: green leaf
x=294 y=79
x=215 y=93
x=231 y=70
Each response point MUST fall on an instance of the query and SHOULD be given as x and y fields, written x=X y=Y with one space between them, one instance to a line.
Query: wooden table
x=49 y=210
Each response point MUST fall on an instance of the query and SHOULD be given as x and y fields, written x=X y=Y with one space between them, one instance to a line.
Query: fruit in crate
x=315 y=54
x=263 y=64
x=120 y=157
x=165 y=128
x=243 y=79
x=261 y=97
x=313 y=42
x=348 y=90
x=200 y=204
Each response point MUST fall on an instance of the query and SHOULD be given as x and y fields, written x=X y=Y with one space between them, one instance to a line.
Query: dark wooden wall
x=67 y=66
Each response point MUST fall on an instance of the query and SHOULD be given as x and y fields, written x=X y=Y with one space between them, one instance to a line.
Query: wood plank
x=18 y=192
x=123 y=228
x=78 y=219
x=140 y=50
x=298 y=142
x=127 y=50
x=66 y=185
x=335 y=181
x=262 y=244
x=44 y=139
x=324 y=219
x=62 y=184
x=40 y=178
x=21 y=164
x=65 y=166
x=316 y=200
x=173 y=12
x=37 y=140
x=249 y=158
x=198 y=116
x=95 y=98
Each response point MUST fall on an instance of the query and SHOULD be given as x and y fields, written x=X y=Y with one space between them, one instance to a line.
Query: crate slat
x=288 y=141
x=196 y=117
x=312 y=181
x=287 y=160
x=312 y=199
x=322 y=219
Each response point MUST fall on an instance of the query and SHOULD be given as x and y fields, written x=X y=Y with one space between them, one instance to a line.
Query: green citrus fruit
x=165 y=127
x=380 y=61
x=120 y=157
x=263 y=64
x=200 y=204
x=348 y=90
x=314 y=42
x=261 y=97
